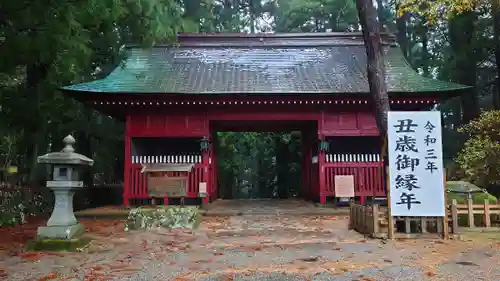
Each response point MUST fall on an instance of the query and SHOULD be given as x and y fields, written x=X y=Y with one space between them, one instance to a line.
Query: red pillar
x=127 y=165
x=205 y=156
x=322 y=177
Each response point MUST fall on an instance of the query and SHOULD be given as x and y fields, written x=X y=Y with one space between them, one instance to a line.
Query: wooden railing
x=369 y=177
x=176 y=159
x=486 y=212
x=138 y=181
x=342 y=157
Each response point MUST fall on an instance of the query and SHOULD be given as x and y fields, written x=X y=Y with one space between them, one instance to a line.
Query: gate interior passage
x=262 y=159
x=316 y=83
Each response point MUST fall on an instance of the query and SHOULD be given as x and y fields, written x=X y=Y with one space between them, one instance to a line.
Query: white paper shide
x=416 y=163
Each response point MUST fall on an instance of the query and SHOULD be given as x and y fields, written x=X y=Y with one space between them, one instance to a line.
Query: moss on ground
x=69 y=245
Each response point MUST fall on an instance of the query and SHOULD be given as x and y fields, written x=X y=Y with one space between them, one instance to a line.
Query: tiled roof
x=326 y=64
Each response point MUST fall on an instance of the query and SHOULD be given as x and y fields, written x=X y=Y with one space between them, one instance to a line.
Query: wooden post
x=407 y=225
x=423 y=224
x=390 y=219
x=470 y=211
x=446 y=230
x=375 y=214
x=356 y=217
x=454 y=216
x=440 y=226
x=487 y=219
x=366 y=222
x=351 y=215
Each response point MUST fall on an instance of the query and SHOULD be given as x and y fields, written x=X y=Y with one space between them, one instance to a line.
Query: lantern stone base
x=59 y=238
x=60 y=232
x=52 y=245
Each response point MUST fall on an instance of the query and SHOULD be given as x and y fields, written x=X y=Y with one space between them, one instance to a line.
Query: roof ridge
x=312 y=39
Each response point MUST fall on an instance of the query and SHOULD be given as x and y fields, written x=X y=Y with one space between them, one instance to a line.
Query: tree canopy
x=47 y=44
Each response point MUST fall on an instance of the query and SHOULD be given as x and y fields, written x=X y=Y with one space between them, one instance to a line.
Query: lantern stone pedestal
x=63 y=231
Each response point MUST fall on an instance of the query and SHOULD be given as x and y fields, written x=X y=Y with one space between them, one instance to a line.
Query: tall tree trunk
x=333 y=22
x=381 y=15
x=425 y=50
x=253 y=16
x=35 y=75
x=495 y=4
x=375 y=62
x=461 y=31
x=402 y=32
x=192 y=10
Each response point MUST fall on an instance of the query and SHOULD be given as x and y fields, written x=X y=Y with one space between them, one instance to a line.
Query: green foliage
x=315 y=16
x=45 y=45
x=258 y=165
x=163 y=217
x=478 y=159
x=17 y=203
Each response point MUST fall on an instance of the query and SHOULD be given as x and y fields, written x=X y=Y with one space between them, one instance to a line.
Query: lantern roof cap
x=67 y=156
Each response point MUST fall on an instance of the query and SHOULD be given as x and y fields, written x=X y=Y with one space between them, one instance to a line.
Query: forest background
x=48 y=43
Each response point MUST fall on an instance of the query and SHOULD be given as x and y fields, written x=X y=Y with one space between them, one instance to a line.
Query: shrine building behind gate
x=174 y=98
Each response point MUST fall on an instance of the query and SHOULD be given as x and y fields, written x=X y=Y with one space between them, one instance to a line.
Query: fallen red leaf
x=67 y=278
x=118 y=266
x=29 y=256
x=97 y=267
x=3 y=274
x=429 y=274
x=256 y=248
x=49 y=276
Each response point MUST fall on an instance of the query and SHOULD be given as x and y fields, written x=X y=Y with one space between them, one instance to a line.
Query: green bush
x=479 y=159
x=477 y=198
x=17 y=203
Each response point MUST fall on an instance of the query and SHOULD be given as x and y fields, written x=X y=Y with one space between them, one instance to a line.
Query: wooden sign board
x=344 y=186
x=161 y=186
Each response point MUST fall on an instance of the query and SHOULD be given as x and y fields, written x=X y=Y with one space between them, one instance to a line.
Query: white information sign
x=202 y=189
x=416 y=163
x=344 y=186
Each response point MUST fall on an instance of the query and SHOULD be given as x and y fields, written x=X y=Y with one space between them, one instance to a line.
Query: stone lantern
x=66 y=170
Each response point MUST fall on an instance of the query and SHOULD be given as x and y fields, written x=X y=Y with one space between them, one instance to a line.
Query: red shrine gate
x=318 y=166
x=173 y=100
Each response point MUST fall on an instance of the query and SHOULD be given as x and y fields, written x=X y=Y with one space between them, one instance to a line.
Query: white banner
x=416 y=163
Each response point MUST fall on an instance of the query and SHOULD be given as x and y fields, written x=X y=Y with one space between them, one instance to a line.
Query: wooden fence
x=365 y=219
x=137 y=183
x=477 y=215
x=368 y=178
x=373 y=220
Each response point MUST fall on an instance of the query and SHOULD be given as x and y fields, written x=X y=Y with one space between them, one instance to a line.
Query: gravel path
x=257 y=248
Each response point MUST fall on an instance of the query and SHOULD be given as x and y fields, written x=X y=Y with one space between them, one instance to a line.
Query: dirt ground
x=250 y=247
